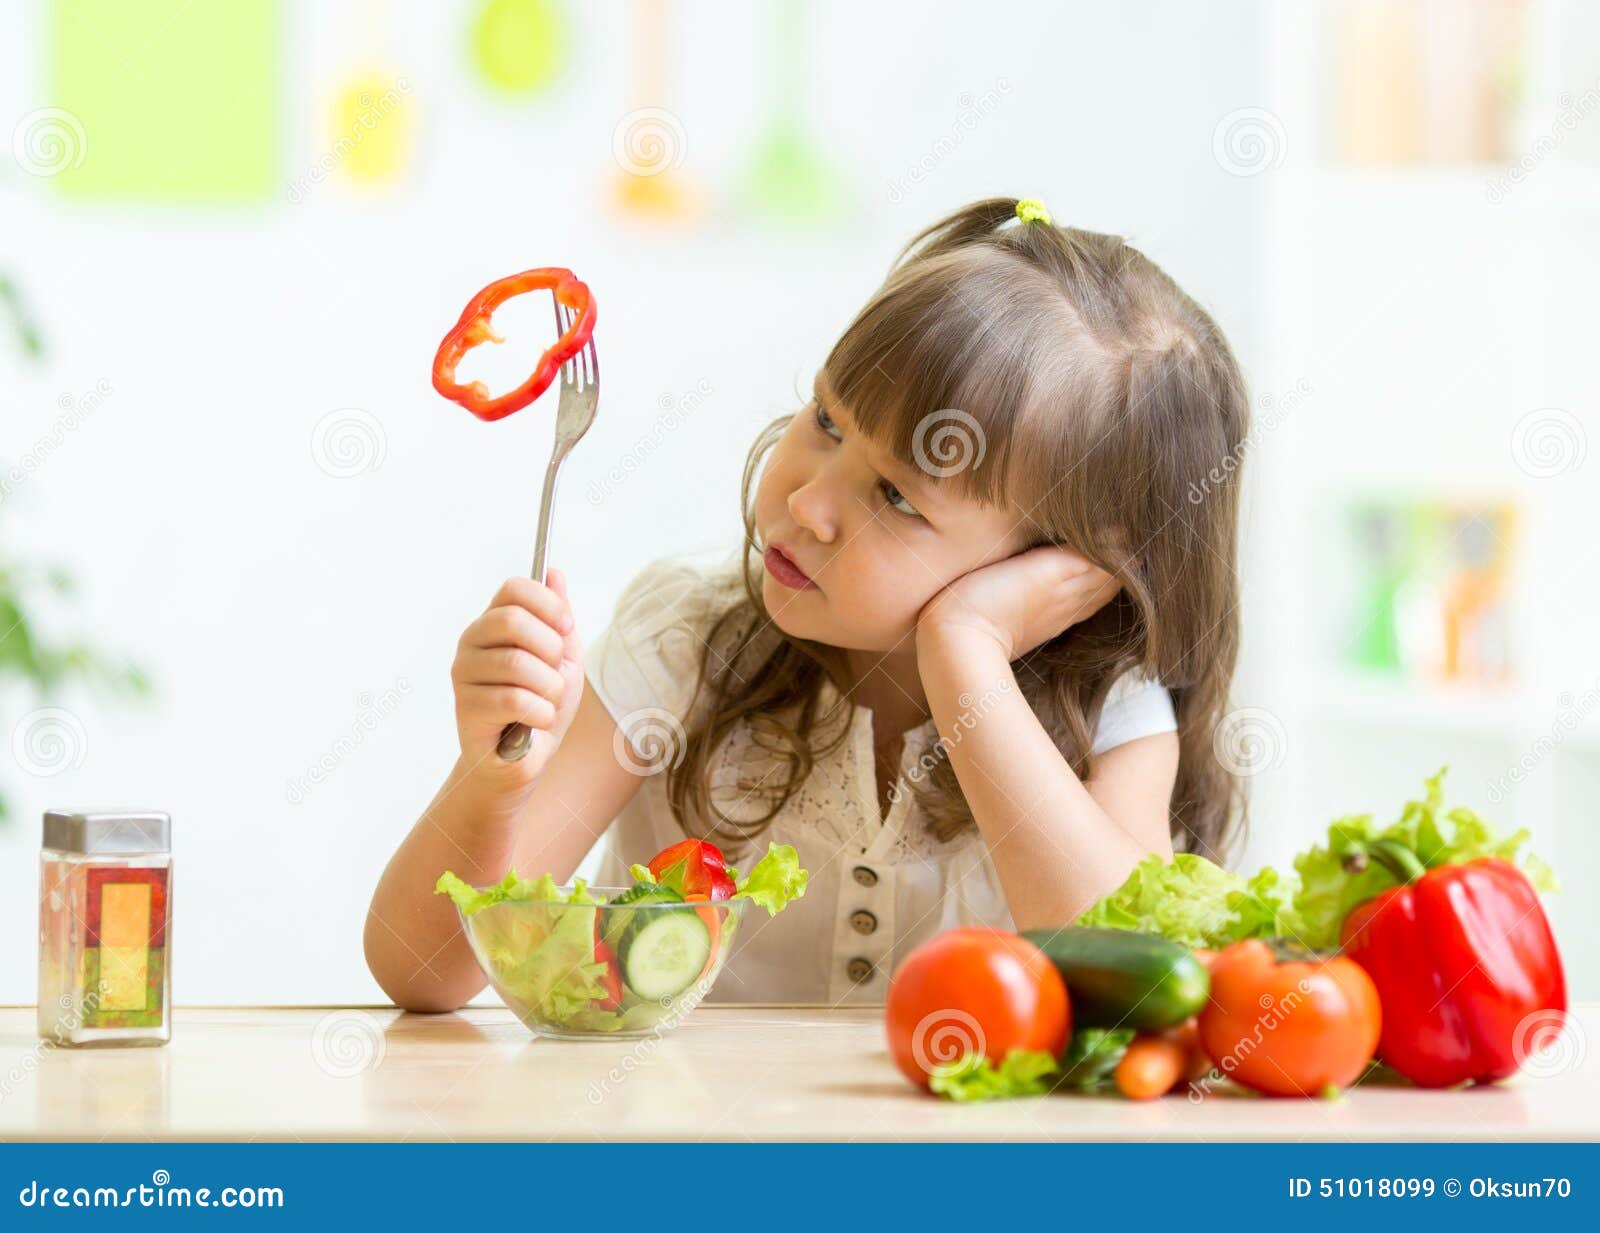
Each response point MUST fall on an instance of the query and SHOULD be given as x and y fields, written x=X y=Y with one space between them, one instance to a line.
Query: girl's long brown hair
x=1113 y=417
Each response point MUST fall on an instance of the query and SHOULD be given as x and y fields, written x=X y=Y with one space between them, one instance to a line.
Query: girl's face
x=873 y=539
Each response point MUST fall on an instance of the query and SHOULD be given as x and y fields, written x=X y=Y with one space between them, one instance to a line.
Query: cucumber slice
x=648 y=892
x=663 y=951
x=614 y=922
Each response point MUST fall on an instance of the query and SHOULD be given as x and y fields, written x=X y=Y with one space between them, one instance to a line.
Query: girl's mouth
x=782 y=567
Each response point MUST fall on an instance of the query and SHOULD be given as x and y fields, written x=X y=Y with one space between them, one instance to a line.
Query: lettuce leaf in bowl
x=541 y=957
x=775 y=882
x=472 y=899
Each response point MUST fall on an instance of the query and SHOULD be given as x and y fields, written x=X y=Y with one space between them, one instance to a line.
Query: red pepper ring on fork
x=473 y=328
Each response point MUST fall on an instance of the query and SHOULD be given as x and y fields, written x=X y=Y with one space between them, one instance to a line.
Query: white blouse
x=879 y=885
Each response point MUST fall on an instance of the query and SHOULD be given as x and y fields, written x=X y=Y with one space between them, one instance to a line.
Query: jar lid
x=107 y=831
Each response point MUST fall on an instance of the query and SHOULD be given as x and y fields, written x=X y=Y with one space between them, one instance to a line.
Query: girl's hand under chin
x=1020 y=602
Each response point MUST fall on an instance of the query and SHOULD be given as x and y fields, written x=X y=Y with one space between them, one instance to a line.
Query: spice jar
x=105 y=915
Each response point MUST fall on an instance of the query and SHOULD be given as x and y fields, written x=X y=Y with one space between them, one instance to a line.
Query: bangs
x=955 y=367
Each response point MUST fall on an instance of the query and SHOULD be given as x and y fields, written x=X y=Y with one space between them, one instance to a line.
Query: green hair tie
x=1031 y=210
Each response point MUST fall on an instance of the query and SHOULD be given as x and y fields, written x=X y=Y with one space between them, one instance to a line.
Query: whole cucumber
x=1118 y=978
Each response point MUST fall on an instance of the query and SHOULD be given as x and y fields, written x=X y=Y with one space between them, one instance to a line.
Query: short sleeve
x=645 y=664
x=1136 y=706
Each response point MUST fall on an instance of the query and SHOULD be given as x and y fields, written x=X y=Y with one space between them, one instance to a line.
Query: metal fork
x=580 y=395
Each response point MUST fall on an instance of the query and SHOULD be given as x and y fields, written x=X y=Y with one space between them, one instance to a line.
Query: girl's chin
x=799 y=614
x=792 y=611
x=779 y=597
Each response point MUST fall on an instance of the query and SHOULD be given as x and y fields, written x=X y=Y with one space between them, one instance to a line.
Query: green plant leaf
x=1022 y=1072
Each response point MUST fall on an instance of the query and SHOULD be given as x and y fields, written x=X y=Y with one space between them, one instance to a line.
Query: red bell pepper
x=694 y=867
x=1465 y=965
x=712 y=919
x=473 y=328
x=612 y=978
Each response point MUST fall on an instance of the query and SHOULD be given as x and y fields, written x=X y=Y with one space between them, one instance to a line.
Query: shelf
x=1395 y=703
x=1570 y=721
x=1472 y=191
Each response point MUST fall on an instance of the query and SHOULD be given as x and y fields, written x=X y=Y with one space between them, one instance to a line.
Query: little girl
x=968 y=659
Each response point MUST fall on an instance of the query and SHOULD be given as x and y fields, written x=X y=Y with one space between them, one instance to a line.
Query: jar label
x=125 y=937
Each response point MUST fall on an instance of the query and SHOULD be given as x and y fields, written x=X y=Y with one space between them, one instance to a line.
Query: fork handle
x=516 y=737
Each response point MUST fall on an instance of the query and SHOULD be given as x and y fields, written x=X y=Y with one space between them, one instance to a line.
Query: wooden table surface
x=728 y=1073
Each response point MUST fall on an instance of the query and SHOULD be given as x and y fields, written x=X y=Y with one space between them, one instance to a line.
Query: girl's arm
x=519 y=660
x=414 y=945
x=1057 y=844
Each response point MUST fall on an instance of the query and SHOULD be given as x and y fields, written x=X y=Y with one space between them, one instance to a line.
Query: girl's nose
x=812 y=508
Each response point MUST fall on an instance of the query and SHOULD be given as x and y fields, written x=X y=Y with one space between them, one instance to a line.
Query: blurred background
x=240 y=534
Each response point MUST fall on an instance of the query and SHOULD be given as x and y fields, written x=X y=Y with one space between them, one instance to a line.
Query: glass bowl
x=602 y=971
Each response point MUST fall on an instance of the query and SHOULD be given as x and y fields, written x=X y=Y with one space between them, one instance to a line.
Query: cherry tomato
x=974 y=989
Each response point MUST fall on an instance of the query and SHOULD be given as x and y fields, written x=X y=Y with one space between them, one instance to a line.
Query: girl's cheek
x=784 y=474
x=772 y=493
x=891 y=584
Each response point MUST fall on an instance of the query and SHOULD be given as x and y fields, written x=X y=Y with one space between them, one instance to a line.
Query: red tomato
x=1289 y=1028
x=974 y=990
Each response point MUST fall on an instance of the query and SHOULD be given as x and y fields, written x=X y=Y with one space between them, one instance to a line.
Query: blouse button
x=858 y=970
x=865 y=876
x=863 y=921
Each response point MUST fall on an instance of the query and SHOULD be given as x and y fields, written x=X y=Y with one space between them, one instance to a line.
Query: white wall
x=270 y=600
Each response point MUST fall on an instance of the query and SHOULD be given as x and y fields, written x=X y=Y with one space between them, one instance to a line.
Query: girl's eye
x=891 y=494
x=895 y=498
